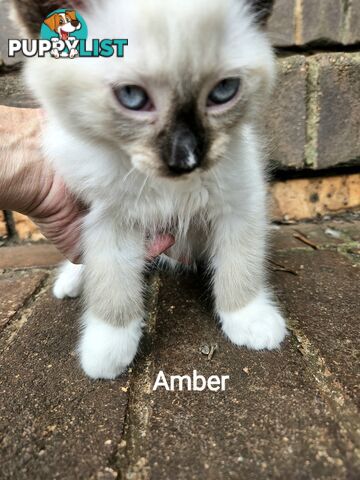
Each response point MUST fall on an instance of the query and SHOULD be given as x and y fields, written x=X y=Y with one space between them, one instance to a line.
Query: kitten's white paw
x=69 y=281
x=106 y=351
x=258 y=326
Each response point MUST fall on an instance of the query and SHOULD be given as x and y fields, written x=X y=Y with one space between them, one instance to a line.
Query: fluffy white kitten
x=163 y=140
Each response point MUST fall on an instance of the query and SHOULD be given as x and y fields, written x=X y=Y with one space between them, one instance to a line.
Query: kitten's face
x=192 y=74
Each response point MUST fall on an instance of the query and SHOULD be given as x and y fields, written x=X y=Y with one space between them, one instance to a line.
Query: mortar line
x=312 y=113
x=131 y=461
x=298 y=22
x=343 y=409
x=346 y=19
x=20 y=318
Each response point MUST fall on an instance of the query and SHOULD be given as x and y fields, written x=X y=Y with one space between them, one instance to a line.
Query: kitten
x=162 y=140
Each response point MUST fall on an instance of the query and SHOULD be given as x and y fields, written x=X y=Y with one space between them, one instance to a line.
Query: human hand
x=29 y=185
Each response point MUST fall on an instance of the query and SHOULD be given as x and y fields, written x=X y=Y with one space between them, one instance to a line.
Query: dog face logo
x=64 y=28
x=63 y=23
x=64 y=34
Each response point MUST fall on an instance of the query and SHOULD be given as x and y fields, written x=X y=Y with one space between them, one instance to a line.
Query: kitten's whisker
x=141 y=190
x=227 y=158
x=127 y=175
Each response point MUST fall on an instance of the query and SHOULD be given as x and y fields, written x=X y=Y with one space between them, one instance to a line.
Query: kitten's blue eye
x=224 y=91
x=132 y=97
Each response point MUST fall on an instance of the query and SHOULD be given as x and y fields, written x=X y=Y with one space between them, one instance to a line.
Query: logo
x=64 y=34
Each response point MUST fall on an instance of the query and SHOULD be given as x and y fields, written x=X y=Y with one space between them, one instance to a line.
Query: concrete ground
x=292 y=414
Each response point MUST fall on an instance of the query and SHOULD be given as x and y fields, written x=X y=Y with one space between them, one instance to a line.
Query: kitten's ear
x=262 y=9
x=30 y=14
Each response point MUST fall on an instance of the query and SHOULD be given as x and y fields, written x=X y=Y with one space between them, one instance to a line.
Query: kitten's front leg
x=112 y=322
x=244 y=305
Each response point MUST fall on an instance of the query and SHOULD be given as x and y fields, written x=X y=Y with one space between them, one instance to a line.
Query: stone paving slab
x=323 y=302
x=15 y=289
x=286 y=414
x=327 y=234
x=54 y=422
x=272 y=422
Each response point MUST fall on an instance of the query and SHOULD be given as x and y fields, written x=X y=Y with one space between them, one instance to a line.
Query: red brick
x=321 y=22
x=315 y=22
x=338 y=139
x=352 y=33
x=281 y=23
x=286 y=119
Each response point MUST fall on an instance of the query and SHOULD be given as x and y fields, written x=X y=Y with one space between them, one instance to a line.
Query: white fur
x=258 y=326
x=218 y=214
x=106 y=351
x=69 y=281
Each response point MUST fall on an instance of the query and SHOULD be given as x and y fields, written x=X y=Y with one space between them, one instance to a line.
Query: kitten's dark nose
x=75 y=23
x=184 y=156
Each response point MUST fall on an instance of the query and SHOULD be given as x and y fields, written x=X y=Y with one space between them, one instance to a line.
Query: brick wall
x=313 y=122
x=314 y=119
x=315 y=23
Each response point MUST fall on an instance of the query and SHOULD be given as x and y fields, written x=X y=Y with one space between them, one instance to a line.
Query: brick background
x=338 y=107
x=315 y=22
x=286 y=120
x=313 y=121
x=314 y=118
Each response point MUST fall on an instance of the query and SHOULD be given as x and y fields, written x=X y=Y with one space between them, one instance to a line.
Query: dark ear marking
x=32 y=13
x=262 y=9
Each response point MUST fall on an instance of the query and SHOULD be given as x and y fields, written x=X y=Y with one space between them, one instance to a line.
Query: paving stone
x=323 y=301
x=287 y=126
x=54 y=422
x=15 y=289
x=351 y=230
x=270 y=423
x=338 y=108
x=29 y=256
x=324 y=234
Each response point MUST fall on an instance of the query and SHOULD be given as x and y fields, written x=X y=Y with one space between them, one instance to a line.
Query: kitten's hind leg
x=69 y=281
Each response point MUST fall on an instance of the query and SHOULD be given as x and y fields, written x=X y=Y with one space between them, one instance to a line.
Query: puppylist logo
x=64 y=34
